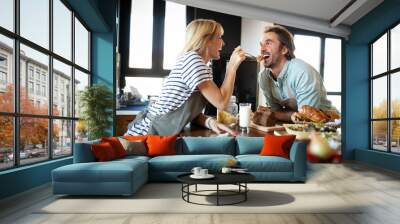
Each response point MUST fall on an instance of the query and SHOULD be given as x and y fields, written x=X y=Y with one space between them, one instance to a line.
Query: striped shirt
x=182 y=81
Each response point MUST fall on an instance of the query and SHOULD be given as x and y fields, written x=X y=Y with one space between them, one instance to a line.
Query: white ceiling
x=315 y=15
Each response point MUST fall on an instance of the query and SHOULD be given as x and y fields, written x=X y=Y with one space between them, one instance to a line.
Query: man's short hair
x=285 y=37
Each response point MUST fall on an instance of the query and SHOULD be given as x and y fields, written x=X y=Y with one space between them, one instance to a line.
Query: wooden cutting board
x=267 y=129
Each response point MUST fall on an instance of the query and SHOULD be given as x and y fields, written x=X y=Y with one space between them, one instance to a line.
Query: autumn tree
x=33 y=131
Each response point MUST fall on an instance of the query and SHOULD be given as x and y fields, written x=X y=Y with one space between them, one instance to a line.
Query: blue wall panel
x=24 y=178
x=357 y=81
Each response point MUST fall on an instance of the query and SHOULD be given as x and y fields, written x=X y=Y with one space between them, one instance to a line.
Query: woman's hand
x=219 y=128
x=238 y=55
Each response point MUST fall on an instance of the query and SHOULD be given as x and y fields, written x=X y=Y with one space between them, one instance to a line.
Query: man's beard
x=274 y=62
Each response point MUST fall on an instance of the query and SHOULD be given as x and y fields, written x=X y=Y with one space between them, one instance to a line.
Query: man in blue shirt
x=288 y=83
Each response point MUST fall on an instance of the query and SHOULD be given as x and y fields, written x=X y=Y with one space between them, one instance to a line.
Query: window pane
x=33 y=139
x=62 y=89
x=36 y=64
x=7 y=14
x=395 y=47
x=35 y=21
x=379 y=98
x=174 y=33
x=308 y=48
x=62 y=141
x=395 y=138
x=6 y=142
x=336 y=101
x=395 y=95
x=81 y=45
x=379 y=135
x=6 y=74
x=333 y=65
x=62 y=29
x=81 y=81
x=141 y=36
x=81 y=131
x=379 y=55
x=141 y=87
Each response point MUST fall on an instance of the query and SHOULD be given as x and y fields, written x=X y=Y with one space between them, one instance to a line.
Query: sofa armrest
x=299 y=159
x=83 y=152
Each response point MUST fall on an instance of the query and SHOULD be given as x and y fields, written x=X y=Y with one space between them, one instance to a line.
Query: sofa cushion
x=257 y=163
x=161 y=145
x=277 y=145
x=112 y=171
x=249 y=145
x=103 y=151
x=134 y=147
x=207 y=145
x=185 y=163
x=135 y=138
x=116 y=145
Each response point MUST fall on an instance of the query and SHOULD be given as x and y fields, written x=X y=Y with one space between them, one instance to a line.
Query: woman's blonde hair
x=198 y=33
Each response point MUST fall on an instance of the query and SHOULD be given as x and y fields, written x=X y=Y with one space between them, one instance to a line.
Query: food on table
x=311 y=114
x=226 y=118
x=264 y=117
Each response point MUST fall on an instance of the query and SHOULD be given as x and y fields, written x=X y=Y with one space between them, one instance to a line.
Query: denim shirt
x=298 y=84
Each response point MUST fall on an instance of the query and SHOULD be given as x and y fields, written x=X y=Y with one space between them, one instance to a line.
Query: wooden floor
x=377 y=189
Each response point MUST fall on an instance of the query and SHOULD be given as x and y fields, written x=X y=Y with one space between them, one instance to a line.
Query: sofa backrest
x=83 y=152
x=206 y=145
x=249 y=145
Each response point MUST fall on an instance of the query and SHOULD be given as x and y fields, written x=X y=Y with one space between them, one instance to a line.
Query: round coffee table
x=238 y=179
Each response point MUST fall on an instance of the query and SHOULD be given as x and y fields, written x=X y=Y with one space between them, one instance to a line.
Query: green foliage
x=96 y=102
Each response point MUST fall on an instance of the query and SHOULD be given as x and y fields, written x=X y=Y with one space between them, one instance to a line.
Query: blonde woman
x=190 y=85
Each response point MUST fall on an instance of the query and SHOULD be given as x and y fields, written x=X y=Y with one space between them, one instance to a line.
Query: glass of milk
x=244 y=115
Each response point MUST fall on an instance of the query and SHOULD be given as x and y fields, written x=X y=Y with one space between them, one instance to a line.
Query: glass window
x=30 y=87
x=35 y=21
x=379 y=98
x=6 y=142
x=81 y=81
x=7 y=14
x=63 y=72
x=141 y=37
x=333 y=65
x=81 y=131
x=40 y=62
x=34 y=144
x=379 y=56
x=395 y=95
x=308 y=48
x=30 y=72
x=81 y=45
x=62 y=138
x=37 y=89
x=379 y=135
x=142 y=87
x=395 y=136
x=62 y=29
x=174 y=32
x=336 y=101
x=395 y=47
x=6 y=73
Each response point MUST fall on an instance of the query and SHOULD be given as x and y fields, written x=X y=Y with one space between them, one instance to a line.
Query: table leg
x=217 y=194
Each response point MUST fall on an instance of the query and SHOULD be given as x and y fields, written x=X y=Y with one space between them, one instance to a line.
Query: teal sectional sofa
x=125 y=176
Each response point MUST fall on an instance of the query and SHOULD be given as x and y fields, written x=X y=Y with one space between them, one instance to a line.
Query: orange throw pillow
x=277 y=145
x=103 y=151
x=116 y=145
x=161 y=145
x=135 y=138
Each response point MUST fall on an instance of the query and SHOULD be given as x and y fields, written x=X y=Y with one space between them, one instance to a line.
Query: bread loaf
x=264 y=117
